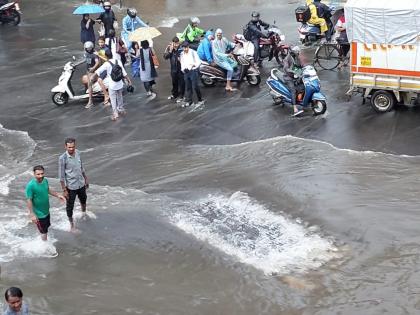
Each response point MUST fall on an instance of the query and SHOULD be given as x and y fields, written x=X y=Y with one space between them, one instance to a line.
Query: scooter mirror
x=74 y=58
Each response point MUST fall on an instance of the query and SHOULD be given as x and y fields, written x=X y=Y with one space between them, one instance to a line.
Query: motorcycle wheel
x=319 y=107
x=253 y=80
x=16 y=18
x=60 y=98
x=207 y=81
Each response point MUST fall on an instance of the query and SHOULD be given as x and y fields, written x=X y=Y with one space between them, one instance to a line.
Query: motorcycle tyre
x=59 y=95
x=15 y=21
x=317 y=111
x=208 y=82
x=254 y=80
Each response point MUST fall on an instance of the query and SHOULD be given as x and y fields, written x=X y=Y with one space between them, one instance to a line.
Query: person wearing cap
x=192 y=33
x=107 y=18
x=130 y=23
x=190 y=62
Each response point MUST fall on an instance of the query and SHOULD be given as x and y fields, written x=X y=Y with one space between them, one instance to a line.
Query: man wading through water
x=73 y=179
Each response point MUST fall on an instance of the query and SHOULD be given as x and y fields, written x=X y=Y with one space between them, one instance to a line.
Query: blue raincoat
x=130 y=25
x=204 y=49
x=221 y=58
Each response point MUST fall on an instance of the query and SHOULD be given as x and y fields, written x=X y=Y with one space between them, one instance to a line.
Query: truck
x=385 y=51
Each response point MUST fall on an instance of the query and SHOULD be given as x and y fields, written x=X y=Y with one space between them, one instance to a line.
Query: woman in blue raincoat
x=220 y=48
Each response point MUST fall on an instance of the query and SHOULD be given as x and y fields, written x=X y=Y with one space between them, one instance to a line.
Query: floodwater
x=228 y=208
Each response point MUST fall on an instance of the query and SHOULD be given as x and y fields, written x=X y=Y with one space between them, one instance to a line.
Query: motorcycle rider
x=192 y=33
x=255 y=27
x=221 y=48
x=318 y=20
x=324 y=12
x=130 y=23
x=92 y=63
x=291 y=63
x=204 y=50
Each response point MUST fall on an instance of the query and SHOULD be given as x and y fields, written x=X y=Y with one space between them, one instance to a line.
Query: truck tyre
x=382 y=101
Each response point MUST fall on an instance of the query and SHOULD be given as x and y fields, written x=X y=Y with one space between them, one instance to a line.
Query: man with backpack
x=116 y=72
x=253 y=32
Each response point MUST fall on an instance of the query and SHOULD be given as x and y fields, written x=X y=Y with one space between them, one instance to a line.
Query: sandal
x=231 y=89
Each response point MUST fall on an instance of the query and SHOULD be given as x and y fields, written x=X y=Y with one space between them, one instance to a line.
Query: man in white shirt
x=190 y=62
x=115 y=88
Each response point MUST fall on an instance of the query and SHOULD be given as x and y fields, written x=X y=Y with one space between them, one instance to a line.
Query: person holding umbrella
x=87 y=34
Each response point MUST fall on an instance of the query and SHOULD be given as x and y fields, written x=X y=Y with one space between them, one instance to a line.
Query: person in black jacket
x=107 y=18
x=255 y=28
x=172 y=53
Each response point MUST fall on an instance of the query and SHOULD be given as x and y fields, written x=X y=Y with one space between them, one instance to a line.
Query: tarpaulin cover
x=383 y=21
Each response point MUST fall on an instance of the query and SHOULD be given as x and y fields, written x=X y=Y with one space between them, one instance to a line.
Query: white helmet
x=295 y=50
x=194 y=20
x=88 y=46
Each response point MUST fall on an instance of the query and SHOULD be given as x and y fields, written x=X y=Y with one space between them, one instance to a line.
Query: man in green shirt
x=37 y=195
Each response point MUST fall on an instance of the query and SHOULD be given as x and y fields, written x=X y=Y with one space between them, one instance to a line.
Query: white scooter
x=64 y=91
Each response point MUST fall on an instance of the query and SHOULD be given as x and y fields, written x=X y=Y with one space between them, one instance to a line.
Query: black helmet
x=255 y=16
x=130 y=89
x=132 y=12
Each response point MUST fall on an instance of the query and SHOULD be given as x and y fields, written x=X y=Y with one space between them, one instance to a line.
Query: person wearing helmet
x=255 y=30
x=130 y=23
x=192 y=33
x=324 y=12
x=92 y=63
x=107 y=18
x=290 y=64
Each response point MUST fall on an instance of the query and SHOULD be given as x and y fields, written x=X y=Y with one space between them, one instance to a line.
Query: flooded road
x=229 y=208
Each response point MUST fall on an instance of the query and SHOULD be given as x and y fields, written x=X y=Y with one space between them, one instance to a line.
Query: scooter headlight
x=282 y=38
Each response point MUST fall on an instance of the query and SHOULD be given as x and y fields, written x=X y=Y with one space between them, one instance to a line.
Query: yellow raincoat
x=315 y=19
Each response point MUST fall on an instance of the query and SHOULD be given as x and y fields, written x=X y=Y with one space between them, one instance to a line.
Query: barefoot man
x=73 y=179
x=38 y=201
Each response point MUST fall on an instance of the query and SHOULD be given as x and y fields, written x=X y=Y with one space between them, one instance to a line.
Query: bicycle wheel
x=327 y=56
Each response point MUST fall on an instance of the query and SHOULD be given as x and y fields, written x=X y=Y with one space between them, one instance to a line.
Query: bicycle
x=328 y=55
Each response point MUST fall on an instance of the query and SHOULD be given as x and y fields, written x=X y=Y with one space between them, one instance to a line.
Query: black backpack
x=116 y=72
x=247 y=32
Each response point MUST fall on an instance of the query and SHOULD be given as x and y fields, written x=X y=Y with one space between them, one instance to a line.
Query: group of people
x=73 y=181
x=106 y=64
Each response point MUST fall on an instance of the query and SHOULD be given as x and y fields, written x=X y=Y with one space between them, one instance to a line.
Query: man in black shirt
x=107 y=18
x=255 y=27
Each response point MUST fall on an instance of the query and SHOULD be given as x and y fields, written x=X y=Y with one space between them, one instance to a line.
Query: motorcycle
x=308 y=96
x=210 y=74
x=9 y=13
x=63 y=91
x=273 y=46
x=311 y=33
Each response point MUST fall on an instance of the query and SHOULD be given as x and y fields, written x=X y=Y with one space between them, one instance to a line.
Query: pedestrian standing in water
x=15 y=304
x=116 y=75
x=87 y=33
x=117 y=47
x=173 y=52
x=148 y=71
x=73 y=179
x=135 y=59
x=38 y=201
x=190 y=62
